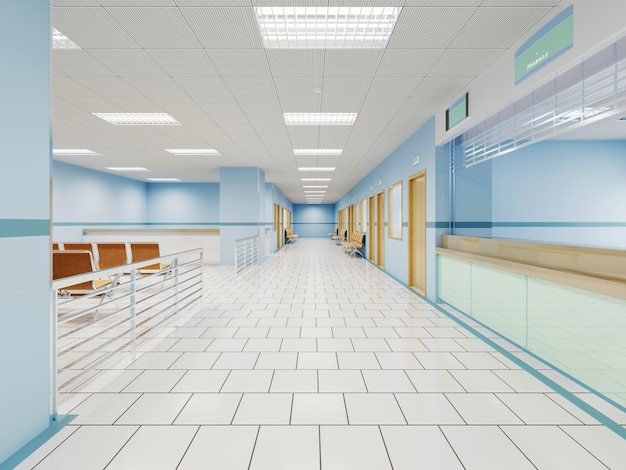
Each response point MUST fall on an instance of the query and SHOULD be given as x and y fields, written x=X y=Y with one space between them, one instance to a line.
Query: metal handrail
x=185 y=273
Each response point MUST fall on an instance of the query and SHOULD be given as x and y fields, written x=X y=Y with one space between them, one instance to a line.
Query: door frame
x=417 y=227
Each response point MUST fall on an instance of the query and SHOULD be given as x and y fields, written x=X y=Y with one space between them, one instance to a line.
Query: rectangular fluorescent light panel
x=316 y=168
x=138 y=119
x=127 y=168
x=314 y=191
x=314 y=179
x=320 y=119
x=317 y=151
x=326 y=27
x=193 y=151
x=310 y=186
x=73 y=152
x=61 y=41
x=163 y=179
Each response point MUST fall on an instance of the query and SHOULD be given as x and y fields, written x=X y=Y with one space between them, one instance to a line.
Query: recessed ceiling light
x=193 y=151
x=326 y=27
x=314 y=179
x=307 y=186
x=162 y=179
x=61 y=41
x=320 y=119
x=317 y=151
x=138 y=119
x=309 y=191
x=316 y=168
x=127 y=168
x=73 y=152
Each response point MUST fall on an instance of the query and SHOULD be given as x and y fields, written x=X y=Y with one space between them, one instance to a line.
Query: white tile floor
x=318 y=361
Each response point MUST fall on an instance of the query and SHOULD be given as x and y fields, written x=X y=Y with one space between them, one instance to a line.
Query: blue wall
x=571 y=192
x=399 y=167
x=83 y=198
x=24 y=223
x=184 y=204
x=242 y=209
x=313 y=220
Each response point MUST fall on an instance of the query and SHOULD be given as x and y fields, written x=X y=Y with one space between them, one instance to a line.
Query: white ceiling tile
x=111 y=87
x=91 y=28
x=78 y=63
x=502 y=26
x=137 y=3
x=351 y=62
x=224 y=28
x=296 y=62
x=428 y=27
x=213 y=3
x=441 y=87
x=184 y=62
x=464 y=62
x=154 y=27
x=443 y=3
x=74 y=3
x=520 y=3
x=408 y=62
x=239 y=63
x=128 y=62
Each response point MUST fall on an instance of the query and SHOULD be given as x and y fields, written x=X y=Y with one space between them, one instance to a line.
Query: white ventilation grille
x=589 y=91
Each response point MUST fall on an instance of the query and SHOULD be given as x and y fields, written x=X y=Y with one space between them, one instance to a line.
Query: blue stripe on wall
x=525 y=224
x=11 y=228
x=200 y=224
x=559 y=224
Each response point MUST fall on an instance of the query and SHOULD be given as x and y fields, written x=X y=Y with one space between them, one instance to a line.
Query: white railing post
x=133 y=315
x=53 y=354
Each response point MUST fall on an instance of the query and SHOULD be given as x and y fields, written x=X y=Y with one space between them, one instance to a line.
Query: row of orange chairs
x=70 y=259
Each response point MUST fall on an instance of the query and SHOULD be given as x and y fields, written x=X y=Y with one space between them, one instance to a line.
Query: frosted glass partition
x=580 y=332
x=455 y=282
x=499 y=300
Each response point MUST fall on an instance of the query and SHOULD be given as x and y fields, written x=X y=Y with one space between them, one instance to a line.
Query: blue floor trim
x=593 y=412
x=18 y=457
x=590 y=410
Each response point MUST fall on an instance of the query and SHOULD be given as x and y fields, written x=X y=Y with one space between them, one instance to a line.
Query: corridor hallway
x=315 y=360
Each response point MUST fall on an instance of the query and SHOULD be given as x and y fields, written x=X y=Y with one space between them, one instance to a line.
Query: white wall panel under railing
x=170 y=240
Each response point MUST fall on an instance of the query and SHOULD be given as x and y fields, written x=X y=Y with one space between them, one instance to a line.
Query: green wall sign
x=547 y=44
x=457 y=112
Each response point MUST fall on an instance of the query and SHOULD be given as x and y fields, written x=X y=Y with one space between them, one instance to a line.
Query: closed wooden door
x=371 y=237
x=417 y=232
x=380 y=229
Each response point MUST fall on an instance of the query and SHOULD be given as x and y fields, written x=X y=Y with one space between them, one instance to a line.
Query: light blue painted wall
x=242 y=204
x=24 y=223
x=273 y=195
x=83 y=197
x=313 y=220
x=399 y=167
x=184 y=204
x=472 y=197
x=571 y=192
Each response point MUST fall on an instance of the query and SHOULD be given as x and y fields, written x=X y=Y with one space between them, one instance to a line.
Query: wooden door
x=371 y=238
x=417 y=232
x=380 y=229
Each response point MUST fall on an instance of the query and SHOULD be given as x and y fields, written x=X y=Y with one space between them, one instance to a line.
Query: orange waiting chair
x=73 y=262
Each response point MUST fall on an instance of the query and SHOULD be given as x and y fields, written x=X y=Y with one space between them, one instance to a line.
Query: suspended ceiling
x=203 y=62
